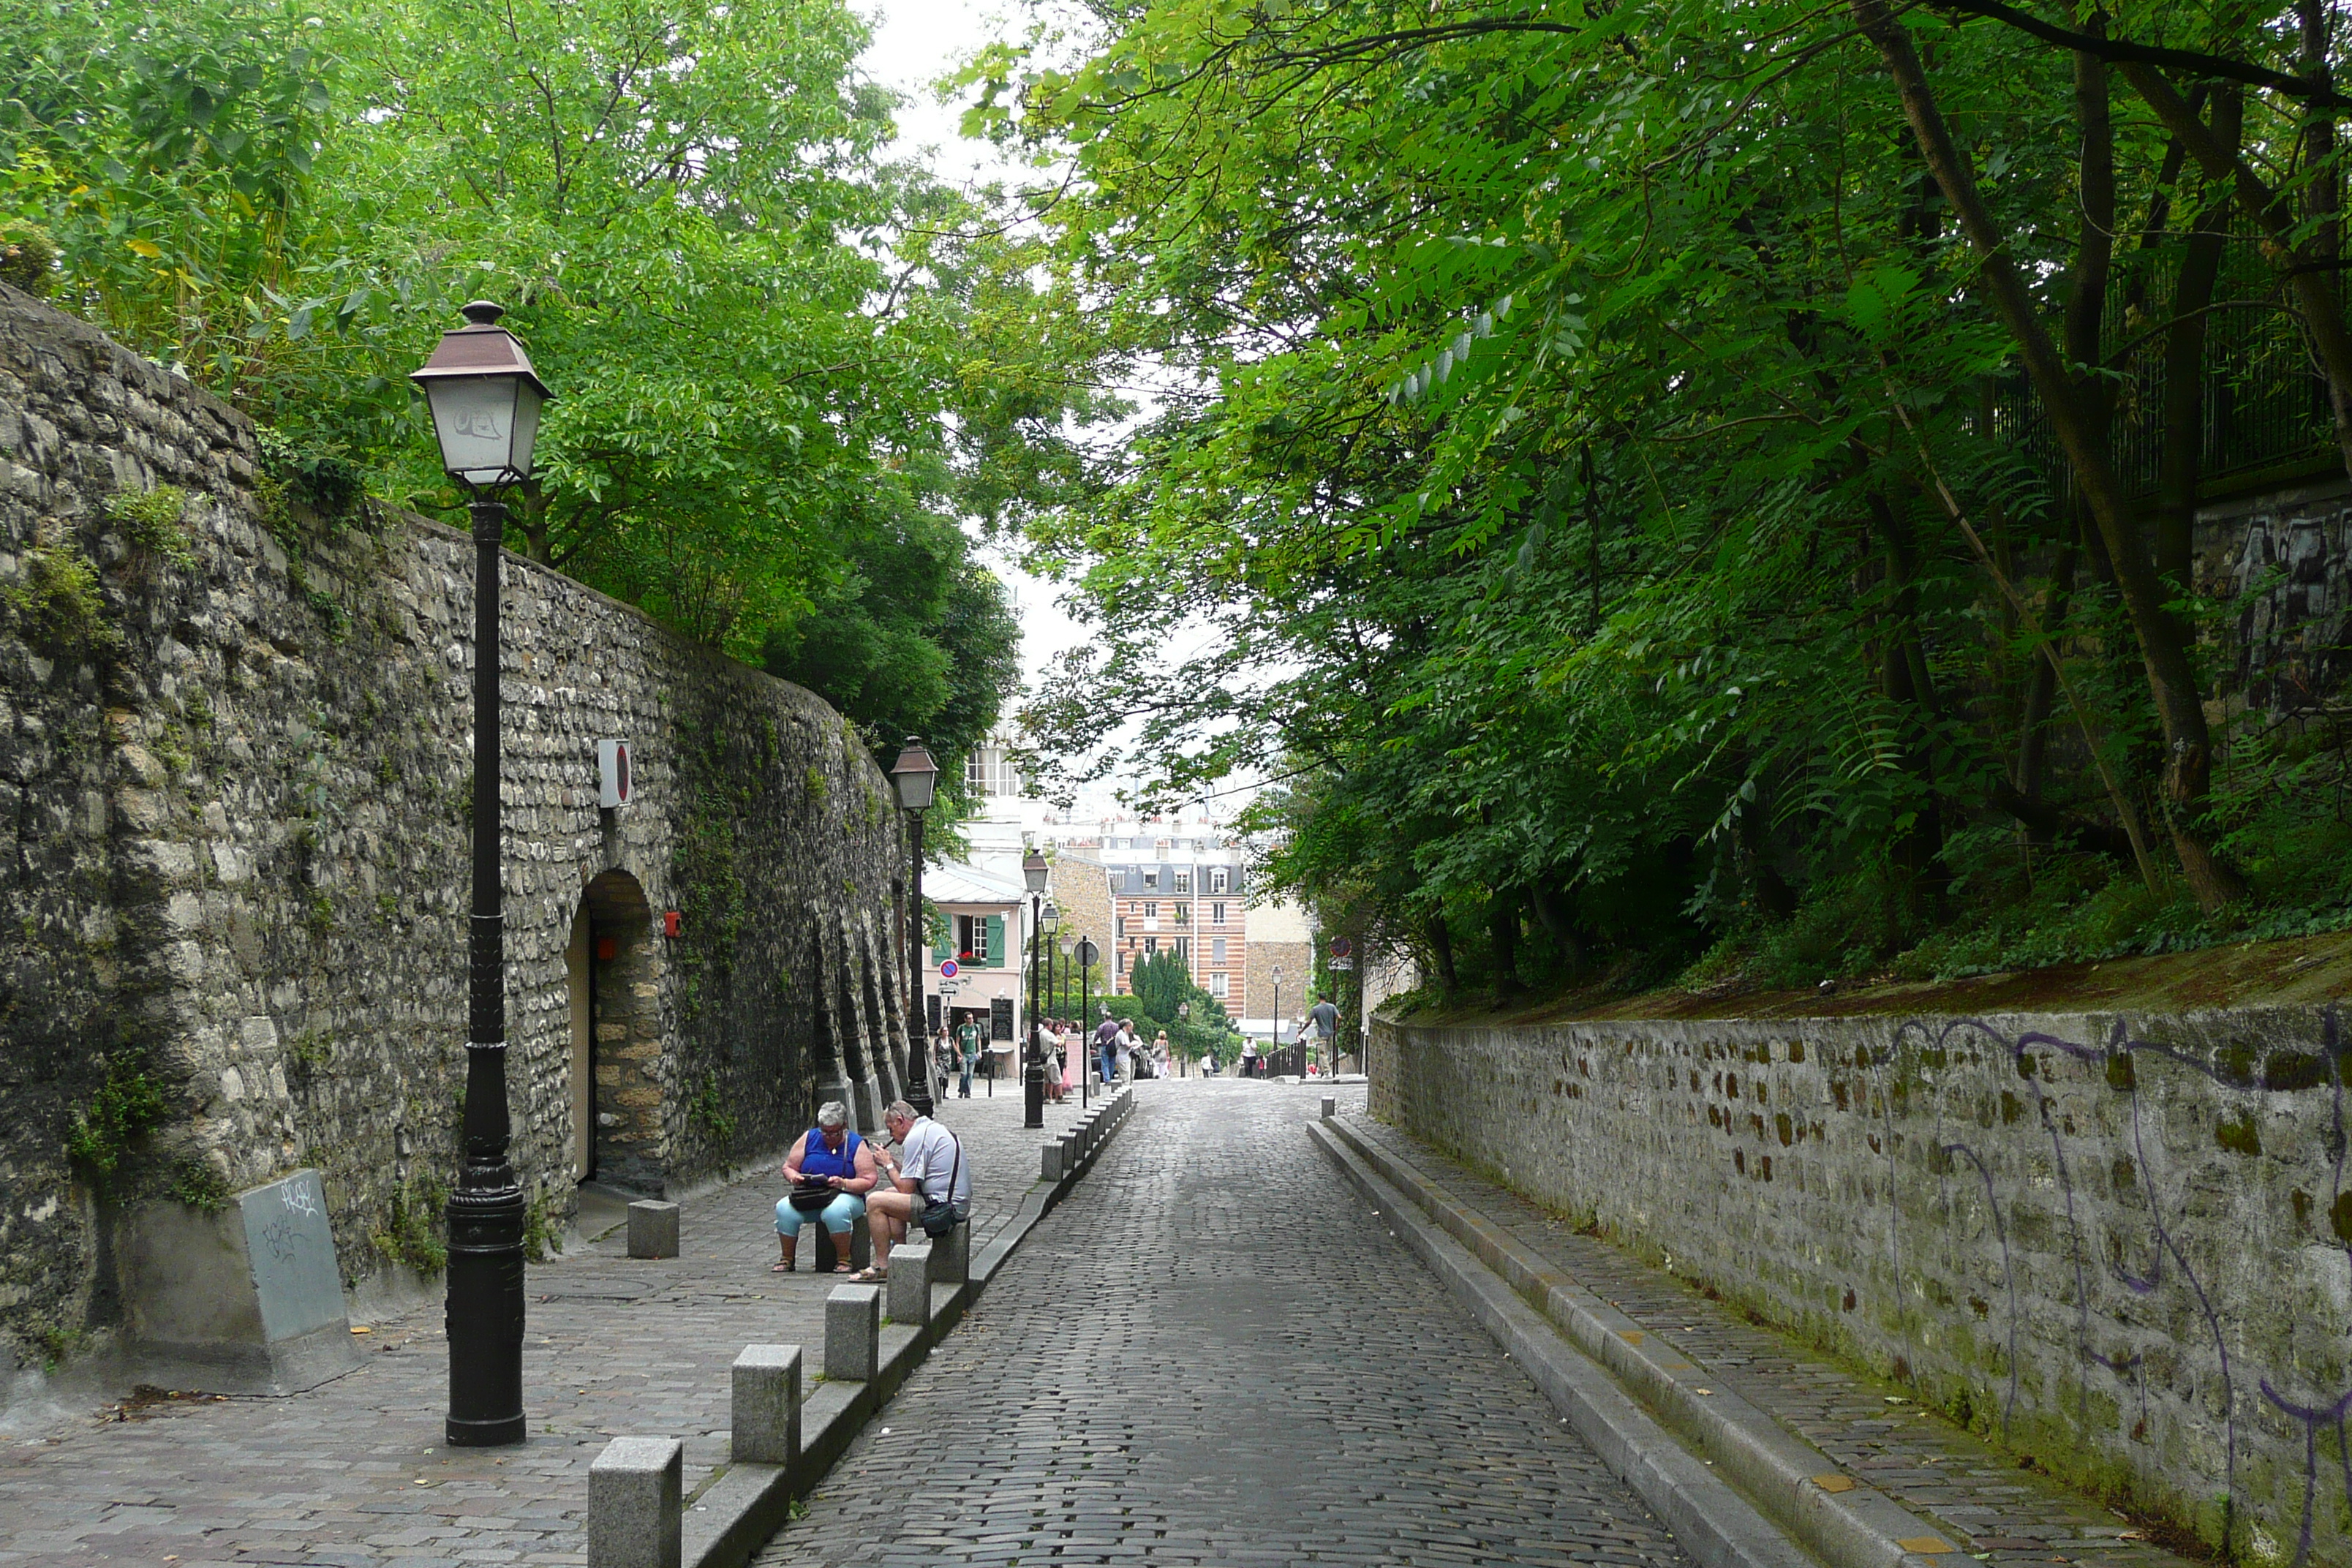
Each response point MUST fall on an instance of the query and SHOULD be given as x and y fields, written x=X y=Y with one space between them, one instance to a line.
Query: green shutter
x=944 y=948
x=996 y=941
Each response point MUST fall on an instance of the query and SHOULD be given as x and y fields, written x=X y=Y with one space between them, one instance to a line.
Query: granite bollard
x=653 y=1229
x=853 y=1333
x=1049 y=1161
x=910 y=1284
x=1330 y=1107
x=632 y=1503
x=951 y=1255
x=764 y=1410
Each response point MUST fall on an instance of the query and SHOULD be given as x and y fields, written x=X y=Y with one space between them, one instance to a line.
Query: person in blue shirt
x=828 y=1157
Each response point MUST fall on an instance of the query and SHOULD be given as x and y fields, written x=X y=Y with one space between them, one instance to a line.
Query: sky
x=915 y=43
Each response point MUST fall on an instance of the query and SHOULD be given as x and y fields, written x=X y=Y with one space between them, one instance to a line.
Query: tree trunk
x=2172 y=677
x=1441 y=948
x=1503 y=936
x=2181 y=462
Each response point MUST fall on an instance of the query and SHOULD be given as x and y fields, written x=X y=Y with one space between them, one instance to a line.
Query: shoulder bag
x=938 y=1218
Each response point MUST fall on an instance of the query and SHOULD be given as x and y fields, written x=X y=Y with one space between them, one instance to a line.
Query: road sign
x=948 y=970
x=1342 y=965
x=1341 y=947
x=1089 y=953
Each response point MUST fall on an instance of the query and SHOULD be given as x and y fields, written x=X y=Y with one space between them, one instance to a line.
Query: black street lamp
x=1034 y=872
x=1184 y=1016
x=916 y=778
x=485 y=399
x=1277 y=1012
x=1086 y=957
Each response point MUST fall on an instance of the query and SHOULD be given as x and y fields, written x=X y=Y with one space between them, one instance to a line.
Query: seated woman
x=827 y=1158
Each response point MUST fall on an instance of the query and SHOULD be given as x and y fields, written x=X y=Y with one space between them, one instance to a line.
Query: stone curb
x=742 y=1505
x=1719 y=1528
x=1841 y=1518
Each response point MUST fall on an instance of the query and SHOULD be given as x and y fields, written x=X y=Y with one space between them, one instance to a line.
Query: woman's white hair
x=833 y=1113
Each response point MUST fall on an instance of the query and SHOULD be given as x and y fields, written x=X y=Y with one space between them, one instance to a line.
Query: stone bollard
x=853 y=1333
x=1049 y=1162
x=951 y=1255
x=632 y=1498
x=653 y=1229
x=764 y=1413
x=1330 y=1105
x=1072 y=1154
x=861 y=1247
x=910 y=1284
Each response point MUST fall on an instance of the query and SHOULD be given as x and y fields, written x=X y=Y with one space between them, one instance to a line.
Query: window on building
x=1122 y=927
x=1217 y=986
x=1183 y=881
x=1185 y=950
x=1151 y=912
x=972 y=937
x=1216 y=914
x=989 y=770
x=1220 y=880
x=1121 y=956
x=1216 y=950
x=1150 y=880
x=1183 y=914
x=1150 y=945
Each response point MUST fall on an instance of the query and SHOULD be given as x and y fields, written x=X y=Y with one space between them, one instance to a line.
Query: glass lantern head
x=915 y=776
x=485 y=399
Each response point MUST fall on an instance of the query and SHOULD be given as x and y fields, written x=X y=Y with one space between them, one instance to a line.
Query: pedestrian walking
x=968 y=1046
x=1107 y=1047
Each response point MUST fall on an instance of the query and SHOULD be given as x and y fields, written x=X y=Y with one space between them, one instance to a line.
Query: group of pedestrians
x=839 y=1178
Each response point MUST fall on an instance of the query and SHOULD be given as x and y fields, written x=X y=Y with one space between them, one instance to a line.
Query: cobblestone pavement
x=1208 y=1355
x=2007 y=1514
x=355 y=1472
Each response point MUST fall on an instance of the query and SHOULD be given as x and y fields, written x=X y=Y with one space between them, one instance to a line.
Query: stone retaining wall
x=234 y=788
x=2121 y=1245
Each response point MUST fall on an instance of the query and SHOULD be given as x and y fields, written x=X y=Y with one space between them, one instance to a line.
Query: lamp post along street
x=1034 y=872
x=1277 y=1014
x=485 y=399
x=915 y=778
x=1086 y=1016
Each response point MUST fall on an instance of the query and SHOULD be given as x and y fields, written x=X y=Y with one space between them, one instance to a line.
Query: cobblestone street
x=355 y=1472
x=1209 y=1354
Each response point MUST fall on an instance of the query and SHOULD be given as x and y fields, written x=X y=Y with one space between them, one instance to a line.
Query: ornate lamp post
x=916 y=779
x=1034 y=872
x=1085 y=956
x=485 y=400
x=1184 y=1016
x=1277 y=1016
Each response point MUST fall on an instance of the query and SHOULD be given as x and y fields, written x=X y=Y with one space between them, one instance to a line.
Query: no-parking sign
x=948 y=969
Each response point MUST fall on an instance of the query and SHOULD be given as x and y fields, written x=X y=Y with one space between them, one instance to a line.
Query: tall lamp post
x=485 y=399
x=1184 y=1016
x=1277 y=1012
x=1034 y=872
x=1085 y=956
x=916 y=778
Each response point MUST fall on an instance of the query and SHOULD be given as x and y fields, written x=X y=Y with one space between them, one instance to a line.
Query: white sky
x=916 y=42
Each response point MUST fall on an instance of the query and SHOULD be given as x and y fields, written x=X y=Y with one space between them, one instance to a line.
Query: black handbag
x=938 y=1218
x=810 y=1199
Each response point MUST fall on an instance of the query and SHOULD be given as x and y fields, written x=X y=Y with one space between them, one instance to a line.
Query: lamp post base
x=484 y=1320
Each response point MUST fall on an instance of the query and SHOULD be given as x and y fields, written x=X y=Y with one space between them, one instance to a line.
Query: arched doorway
x=613 y=964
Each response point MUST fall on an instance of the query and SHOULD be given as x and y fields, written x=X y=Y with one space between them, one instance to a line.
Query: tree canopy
x=785 y=367
x=1669 y=479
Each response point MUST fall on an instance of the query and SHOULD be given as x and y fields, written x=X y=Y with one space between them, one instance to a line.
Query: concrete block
x=853 y=1333
x=632 y=1503
x=764 y=1410
x=861 y=1247
x=910 y=1284
x=243 y=1300
x=653 y=1229
x=1049 y=1165
x=1330 y=1105
x=951 y=1256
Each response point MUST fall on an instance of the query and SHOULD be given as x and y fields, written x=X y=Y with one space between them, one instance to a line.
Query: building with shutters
x=974 y=970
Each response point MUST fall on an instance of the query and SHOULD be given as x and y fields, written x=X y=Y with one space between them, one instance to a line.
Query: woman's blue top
x=818 y=1161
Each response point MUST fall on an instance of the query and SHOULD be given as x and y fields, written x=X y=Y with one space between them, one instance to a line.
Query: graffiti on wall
x=2122 y=1239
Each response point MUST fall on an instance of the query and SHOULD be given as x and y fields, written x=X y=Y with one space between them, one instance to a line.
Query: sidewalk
x=1997 y=1511
x=355 y=1472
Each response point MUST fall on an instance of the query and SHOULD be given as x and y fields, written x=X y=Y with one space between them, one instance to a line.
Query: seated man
x=930 y=1170
x=828 y=1157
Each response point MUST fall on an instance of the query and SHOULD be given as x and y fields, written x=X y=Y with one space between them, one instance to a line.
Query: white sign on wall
x=613 y=781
